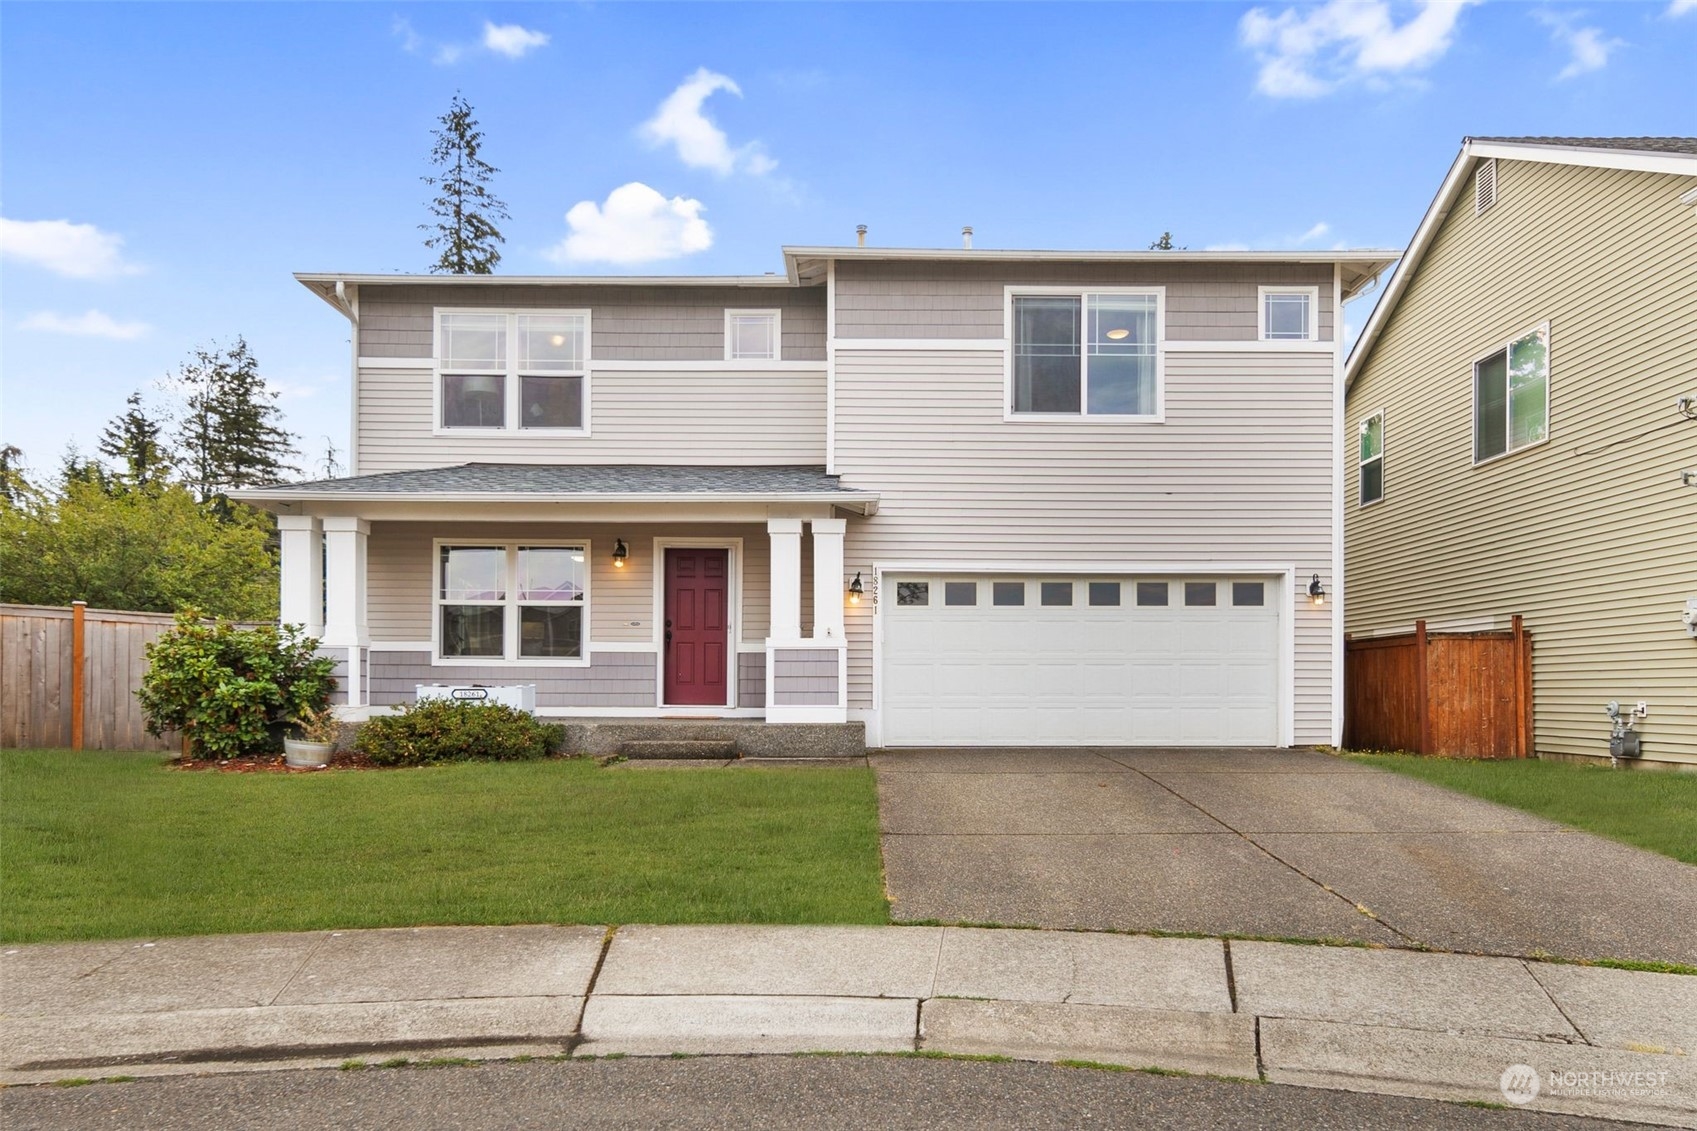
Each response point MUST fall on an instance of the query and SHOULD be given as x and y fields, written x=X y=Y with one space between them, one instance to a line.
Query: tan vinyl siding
x=1590 y=536
x=1240 y=472
x=768 y=416
x=627 y=323
x=400 y=571
x=1205 y=301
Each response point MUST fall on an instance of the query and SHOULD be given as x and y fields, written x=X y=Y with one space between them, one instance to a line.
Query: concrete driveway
x=1283 y=843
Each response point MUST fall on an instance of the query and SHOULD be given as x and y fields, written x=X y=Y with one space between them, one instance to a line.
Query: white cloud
x=1588 y=49
x=401 y=28
x=635 y=225
x=1678 y=8
x=512 y=40
x=700 y=143
x=1314 y=233
x=77 y=251
x=1310 y=52
x=93 y=324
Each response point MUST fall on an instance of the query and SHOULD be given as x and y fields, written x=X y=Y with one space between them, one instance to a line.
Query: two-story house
x=964 y=497
x=1525 y=403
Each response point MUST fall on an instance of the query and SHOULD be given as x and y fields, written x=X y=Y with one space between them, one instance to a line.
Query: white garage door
x=1111 y=661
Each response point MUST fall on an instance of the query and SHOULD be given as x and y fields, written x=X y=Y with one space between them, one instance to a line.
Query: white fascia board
x=309 y=278
x=1637 y=160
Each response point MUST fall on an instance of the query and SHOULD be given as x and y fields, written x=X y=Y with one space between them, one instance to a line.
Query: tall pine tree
x=463 y=231
x=135 y=442
x=230 y=433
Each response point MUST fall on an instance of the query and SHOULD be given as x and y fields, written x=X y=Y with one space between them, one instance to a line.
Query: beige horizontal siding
x=401 y=569
x=626 y=323
x=1590 y=536
x=773 y=417
x=1240 y=472
x=1205 y=302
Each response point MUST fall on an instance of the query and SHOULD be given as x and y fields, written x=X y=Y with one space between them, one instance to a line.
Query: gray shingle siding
x=804 y=677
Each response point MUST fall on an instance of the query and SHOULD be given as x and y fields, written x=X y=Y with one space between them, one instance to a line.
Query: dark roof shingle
x=572 y=479
x=1634 y=144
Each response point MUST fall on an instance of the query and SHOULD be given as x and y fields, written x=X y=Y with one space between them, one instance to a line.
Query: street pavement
x=775 y=1093
x=1273 y=843
x=1601 y=1042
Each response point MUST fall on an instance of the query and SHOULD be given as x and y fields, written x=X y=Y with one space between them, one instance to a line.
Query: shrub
x=228 y=689
x=445 y=730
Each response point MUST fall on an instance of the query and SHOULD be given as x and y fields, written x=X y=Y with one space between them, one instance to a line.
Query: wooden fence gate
x=52 y=660
x=1460 y=694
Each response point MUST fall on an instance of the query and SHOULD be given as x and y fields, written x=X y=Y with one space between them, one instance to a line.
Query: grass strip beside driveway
x=1646 y=808
x=118 y=845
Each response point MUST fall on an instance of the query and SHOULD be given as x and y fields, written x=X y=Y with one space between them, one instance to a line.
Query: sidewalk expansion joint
x=305 y=962
x=1231 y=977
x=1260 y=1063
x=576 y=1037
x=1565 y=1016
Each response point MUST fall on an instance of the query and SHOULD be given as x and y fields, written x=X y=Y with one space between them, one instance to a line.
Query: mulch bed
x=274 y=764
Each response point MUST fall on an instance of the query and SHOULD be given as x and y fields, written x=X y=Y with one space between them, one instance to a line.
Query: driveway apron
x=1274 y=843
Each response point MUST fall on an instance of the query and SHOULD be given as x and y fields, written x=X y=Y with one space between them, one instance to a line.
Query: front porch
x=698 y=605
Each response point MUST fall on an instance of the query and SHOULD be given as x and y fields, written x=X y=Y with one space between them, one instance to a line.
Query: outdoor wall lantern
x=855 y=589
x=620 y=553
x=1316 y=591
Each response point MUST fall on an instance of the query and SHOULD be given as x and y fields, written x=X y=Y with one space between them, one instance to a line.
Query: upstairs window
x=1371 y=437
x=752 y=335
x=1087 y=354
x=506 y=370
x=1511 y=396
x=1290 y=314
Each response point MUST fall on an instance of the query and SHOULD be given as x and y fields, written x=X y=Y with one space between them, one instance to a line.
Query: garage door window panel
x=1151 y=593
x=960 y=592
x=1198 y=593
x=1056 y=593
x=1007 y=592
x=913 y=593
x=1105 y=593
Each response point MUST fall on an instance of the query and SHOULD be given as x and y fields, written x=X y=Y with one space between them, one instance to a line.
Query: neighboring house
x=967 y=497
x=1524 y=401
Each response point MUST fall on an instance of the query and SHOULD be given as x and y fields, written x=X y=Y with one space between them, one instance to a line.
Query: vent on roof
x=1485 y=186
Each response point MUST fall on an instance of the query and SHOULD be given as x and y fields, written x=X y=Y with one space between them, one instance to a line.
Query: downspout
x=348 y=299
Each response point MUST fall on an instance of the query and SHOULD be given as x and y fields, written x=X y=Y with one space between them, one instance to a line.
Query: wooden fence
x=1460 y=694
x=52 y=660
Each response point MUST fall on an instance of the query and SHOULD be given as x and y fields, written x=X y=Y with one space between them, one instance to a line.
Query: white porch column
x=828 y=578
x=344 y=609
x=786 y=579
x=301 y=595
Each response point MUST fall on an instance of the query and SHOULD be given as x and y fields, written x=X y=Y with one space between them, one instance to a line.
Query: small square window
x=1056 y=593
x=1287 y=315
x=1105 y=593
x=1007 y=593
x=1249 y=593
x=1199 y=592
x=960 y=592
x=751 y=335
x=913 y=593
x=1151 y=592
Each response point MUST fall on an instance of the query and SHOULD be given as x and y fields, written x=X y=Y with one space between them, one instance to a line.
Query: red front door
x=697 y=629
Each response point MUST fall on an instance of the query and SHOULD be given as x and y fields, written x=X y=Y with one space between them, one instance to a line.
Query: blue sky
x=164 y=168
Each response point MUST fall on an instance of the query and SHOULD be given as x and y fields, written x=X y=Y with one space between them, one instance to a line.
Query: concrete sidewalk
x=1603 y=1042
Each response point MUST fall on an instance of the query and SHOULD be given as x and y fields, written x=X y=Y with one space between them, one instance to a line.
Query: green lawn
x=1650 y=809
x=113 y=845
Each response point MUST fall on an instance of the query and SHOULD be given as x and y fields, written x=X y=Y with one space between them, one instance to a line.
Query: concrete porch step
x=680 y=748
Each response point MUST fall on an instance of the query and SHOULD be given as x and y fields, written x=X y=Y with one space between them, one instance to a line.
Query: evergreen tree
x=133 y=441
x=15 y=486
x=229 y=434
x=75 y=469
x=463 y=232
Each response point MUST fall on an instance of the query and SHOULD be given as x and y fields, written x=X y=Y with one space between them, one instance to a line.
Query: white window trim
x=510 y=625
x=1313 y=331
x=1159 y=416
x=1473 y=394
x=734 y=636
x=1360 y=463
x=510 y=428
x=777 y=332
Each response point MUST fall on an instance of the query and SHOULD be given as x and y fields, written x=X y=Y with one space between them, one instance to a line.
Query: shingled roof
x=586 y=482
x=1629 y=144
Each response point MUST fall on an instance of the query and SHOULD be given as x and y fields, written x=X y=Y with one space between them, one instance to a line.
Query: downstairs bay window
x=512 y=602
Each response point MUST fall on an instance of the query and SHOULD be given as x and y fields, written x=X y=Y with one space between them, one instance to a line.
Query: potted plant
x=317 y=741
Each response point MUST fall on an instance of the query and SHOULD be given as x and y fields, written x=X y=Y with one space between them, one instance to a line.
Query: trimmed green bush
x=231 y=690
x=447 y=730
